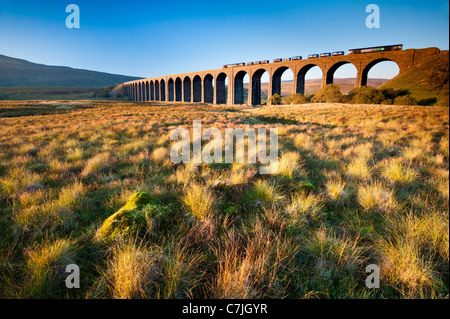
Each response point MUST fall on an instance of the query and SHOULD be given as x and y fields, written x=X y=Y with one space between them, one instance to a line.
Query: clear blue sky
x=152 y=38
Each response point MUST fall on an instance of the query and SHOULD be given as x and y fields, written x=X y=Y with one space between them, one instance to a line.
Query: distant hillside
x=427 y=81
x=17 y=72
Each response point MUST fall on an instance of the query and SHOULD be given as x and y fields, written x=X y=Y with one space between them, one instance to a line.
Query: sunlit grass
x=355 y=185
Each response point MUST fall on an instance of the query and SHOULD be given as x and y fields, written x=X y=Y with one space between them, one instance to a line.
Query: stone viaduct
x=210 y=86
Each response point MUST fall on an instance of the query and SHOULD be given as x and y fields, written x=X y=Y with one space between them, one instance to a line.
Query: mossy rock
x=132 y=218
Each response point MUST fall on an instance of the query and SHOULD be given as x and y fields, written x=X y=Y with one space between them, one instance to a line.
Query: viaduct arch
x=211 y=86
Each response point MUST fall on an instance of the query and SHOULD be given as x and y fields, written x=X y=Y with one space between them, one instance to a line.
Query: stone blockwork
x=210 y=86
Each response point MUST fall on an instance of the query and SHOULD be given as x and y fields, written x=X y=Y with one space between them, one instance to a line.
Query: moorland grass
x=357 y=185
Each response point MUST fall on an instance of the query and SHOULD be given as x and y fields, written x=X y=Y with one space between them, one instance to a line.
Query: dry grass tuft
x=199 y=201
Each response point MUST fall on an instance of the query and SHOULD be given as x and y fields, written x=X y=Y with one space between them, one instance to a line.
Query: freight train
x=395 y=47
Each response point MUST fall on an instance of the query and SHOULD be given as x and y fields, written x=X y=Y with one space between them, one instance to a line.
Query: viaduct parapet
x=210 y=86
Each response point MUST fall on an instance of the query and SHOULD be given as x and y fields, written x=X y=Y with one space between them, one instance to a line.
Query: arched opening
x=221 y=89
x=163 y=90
x=171 y=87
x=344 y=75
x=152 y=91
x=309 y=79
x=137 y=91
x=379 y=72
x=239 y=95
x=147 y=89
x=282 y=81
x=178 y=90
x=187 y=89
x=141 y=91
x=157 y=90
x=197 y=88
x=258 y=92
x=208 y=89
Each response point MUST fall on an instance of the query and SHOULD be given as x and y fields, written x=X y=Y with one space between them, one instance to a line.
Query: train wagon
x=232 y=65
x=337 y=53
x=395 y=47
x=297 y=58
x=277 y=60
x=324 y=55
x=287 y=59
x=265 y=61
x=312 y=56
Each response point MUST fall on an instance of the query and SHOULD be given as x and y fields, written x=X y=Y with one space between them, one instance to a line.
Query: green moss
x=132 y=218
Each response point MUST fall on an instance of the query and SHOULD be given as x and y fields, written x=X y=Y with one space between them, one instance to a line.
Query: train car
x=256 y=62
x=232 y=65
x=324 y=55
x=287 y=59
x=337 y=53
x=249 y=63
x=265 y=61
x=277 y=60
x=312 y=56
x=395 y=47
x=297 y=58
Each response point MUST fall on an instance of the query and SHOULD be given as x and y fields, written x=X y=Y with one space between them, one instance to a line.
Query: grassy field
x=356 y=185
x=46 y=93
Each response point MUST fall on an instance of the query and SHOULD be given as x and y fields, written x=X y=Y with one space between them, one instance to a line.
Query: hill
x=427 y=81
x=17 y=72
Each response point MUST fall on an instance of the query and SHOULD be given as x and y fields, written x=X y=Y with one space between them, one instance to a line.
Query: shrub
x=391 y=94
x=366 y=95
x=295 y=99
x=330 y=93
x=405 y=100
x=276 y=99
x=103 y=93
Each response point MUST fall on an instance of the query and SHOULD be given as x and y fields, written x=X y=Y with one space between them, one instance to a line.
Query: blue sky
x=153 y=38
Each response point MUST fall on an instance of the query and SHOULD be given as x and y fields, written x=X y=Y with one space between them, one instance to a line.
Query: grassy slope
x=425 y=81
